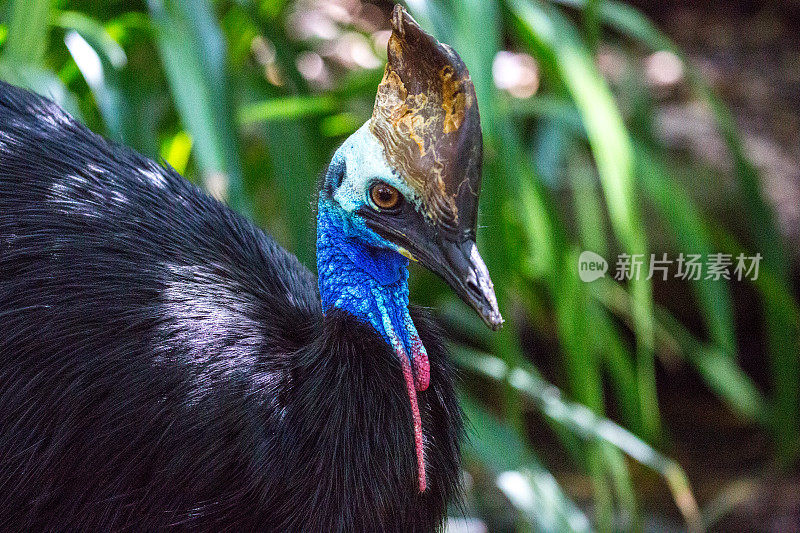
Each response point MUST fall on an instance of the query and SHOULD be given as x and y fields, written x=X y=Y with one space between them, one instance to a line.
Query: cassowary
x=164 y=363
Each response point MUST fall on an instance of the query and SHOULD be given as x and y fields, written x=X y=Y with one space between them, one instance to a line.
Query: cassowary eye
x=385 y=196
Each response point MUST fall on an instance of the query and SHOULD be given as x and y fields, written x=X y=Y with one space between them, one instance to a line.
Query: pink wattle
x=422 y=369
x=412 y=396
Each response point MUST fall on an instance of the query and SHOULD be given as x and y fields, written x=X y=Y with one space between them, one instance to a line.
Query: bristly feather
x=164 y=363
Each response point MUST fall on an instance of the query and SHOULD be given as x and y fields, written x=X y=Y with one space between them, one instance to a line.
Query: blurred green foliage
x=214 y=89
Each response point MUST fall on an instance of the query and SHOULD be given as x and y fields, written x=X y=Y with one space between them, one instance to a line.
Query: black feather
x=163 y=362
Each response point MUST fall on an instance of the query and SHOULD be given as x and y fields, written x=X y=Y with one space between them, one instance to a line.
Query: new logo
x=591 y=266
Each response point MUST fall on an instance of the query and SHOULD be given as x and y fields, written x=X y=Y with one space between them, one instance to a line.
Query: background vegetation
x=250 y=98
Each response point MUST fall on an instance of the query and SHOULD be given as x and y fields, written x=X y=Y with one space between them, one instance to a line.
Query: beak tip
x=494 y=320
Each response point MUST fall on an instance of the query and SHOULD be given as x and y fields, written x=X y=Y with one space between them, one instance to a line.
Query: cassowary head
x=408 y=180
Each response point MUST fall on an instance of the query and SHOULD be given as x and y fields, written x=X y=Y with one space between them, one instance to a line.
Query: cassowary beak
x=464 y=270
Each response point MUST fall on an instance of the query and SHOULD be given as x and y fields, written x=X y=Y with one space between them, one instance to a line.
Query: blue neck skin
x=359 y=272
x=369 y=282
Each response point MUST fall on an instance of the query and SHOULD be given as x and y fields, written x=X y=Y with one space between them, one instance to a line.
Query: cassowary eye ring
x=385 y=197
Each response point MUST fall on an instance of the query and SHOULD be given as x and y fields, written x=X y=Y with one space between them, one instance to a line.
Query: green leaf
x=690 y=231
x=782 y=334
x=433 y=17
x=295 y=166
x=93 y=31
x=100 y=60
x=40 y=81
x=718 y=369
x=176 y=150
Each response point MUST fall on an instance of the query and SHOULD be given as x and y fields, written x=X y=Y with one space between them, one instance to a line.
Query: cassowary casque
x=165 y=364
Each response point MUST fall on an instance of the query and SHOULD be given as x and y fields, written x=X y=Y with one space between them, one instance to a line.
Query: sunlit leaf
x=288 y=108
x=176 y=151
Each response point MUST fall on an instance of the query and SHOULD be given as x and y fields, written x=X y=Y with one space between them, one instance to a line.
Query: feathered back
x=165 y=364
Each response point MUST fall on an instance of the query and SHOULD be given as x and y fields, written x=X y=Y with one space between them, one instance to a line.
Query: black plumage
x=163 y=362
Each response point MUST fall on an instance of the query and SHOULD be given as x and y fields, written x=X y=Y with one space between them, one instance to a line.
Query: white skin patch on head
x=366 y=163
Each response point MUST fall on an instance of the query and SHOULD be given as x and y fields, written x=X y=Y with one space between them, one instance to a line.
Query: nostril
x=472 y=284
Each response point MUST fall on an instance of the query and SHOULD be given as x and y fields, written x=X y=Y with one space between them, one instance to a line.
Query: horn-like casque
x=426 y=117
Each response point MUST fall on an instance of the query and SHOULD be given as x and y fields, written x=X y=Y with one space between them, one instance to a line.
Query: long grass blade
x=719 y=370
x=689 y=230
x=519 y=474
x=286 y=108
x=26 y=39
x=557 y=42
x=193 y=52
x=100 y=59
x=715 y=363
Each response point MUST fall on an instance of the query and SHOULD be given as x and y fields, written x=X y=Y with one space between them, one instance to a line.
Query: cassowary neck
x=372 y=284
